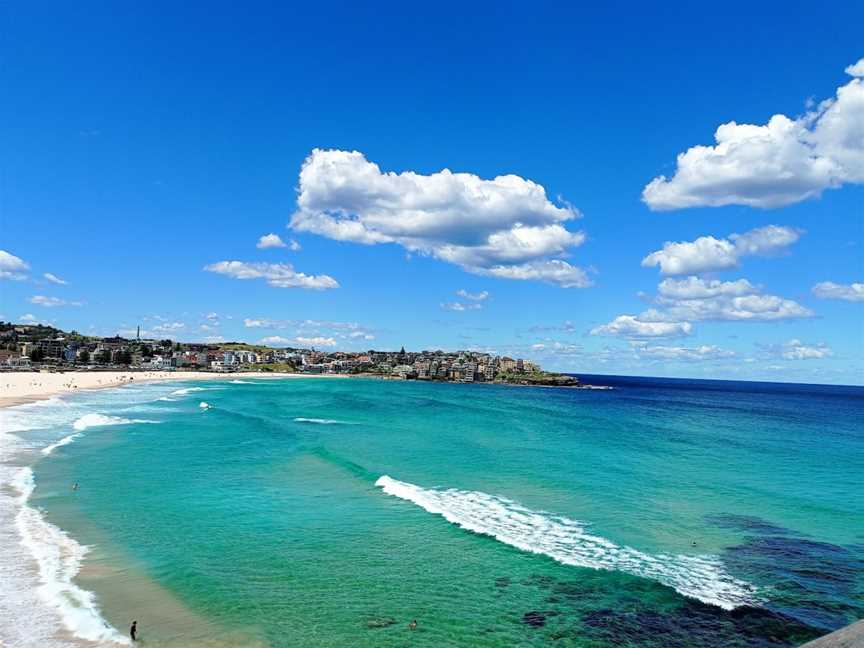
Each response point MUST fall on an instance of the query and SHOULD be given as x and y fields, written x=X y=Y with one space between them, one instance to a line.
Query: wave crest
x=59 y=557
x=99 y=420
x=567 y=541
x=320 y=421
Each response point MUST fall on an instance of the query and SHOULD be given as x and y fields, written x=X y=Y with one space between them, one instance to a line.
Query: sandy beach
x=20 y=387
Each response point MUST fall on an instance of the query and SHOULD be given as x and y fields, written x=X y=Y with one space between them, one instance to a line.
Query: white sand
x=19 y=387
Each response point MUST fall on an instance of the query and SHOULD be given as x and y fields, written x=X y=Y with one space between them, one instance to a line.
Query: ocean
x=319 y=512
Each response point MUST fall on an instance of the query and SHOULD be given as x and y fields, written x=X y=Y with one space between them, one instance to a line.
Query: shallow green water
x=498 y=504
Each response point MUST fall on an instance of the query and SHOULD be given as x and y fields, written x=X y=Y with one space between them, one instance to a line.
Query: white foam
x=59 y=559
x=189 y=390
x=62 y=442
x=100 y=420
x=567 y=541
x=320 y=421
x=204 y=406
x=37 y=565
x=242 y=382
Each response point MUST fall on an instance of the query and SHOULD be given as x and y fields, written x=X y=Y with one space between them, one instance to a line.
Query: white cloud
x=695 y=299
x=856 y=69
x=459 y=306
x=484 y=226
x=299 y=341
x=688 y=354
x=28 y=318
x=279 y=275
x=54 y=279
x=270 y=241
x=709 y=254
x=211 y=316
x=696 y=288
x=316 y=341
x=12 y=267
x=257 y=323
x=797 y=350
x=168 y=327
x=276 y=340
x=483 y=295
x=350 y=332
x=848 y=292
x=553 y=271
x=631 y=327
x=51 y=302
x=294 y=246
x=782 y=162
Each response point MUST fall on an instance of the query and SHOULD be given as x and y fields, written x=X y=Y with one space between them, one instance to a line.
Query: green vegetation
x=541 y=378
x=282 y=367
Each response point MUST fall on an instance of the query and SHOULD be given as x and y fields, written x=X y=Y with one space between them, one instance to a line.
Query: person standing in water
x=133 y=631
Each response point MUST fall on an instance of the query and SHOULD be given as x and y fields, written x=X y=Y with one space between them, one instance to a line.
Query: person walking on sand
x=133 y=631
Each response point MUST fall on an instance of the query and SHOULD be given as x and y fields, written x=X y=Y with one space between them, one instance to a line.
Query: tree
x=84 y=356
x=37 y=355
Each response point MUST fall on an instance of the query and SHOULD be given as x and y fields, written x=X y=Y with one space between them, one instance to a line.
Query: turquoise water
x=315 y=512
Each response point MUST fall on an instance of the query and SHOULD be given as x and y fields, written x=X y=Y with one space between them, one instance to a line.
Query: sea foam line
x=59 y=557
x=101 y=420
x=567 y=541
x=320 y=421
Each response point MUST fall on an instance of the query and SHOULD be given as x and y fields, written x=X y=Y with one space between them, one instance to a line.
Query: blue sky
x=148 y=147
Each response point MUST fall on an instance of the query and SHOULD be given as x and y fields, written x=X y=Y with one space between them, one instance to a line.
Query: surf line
x=568 y=542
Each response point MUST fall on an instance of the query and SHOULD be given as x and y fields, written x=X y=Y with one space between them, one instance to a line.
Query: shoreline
x=23 y=387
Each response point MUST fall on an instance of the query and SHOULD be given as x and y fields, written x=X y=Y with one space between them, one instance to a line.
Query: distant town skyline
x=327 y=179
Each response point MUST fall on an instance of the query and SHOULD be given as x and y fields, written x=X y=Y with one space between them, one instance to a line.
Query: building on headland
x=23 y=346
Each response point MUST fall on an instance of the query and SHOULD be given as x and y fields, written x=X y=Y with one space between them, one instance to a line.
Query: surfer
x=133 y=631
x=413 y=625
x=75 y=486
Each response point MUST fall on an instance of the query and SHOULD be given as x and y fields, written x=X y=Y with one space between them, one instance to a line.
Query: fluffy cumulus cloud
x=709 y=254
x=683 y=354
x=505 y=227
x=52 y=278
x=270 y=241
x=483 y=295
x=797 y=350
x=853 y=292
x=279 y=275
x=784 y=161
x=51 y=302
x=168 y=327
x=460 y=306
x=299 y=341
x=349 y=332
x=475 y=301
x=12 y=267
x=632 y=327
x=695 y=299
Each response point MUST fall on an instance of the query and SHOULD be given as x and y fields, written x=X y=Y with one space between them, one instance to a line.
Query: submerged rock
x=534 y=619
x=375 y=622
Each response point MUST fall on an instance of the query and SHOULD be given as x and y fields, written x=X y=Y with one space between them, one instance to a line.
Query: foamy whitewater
x=39 y=561
x=567 y=541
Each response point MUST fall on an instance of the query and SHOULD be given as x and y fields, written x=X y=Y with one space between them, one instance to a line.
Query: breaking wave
x=568 y=542
x=99 y=420
x=320 y=421
x=189 y=390
x=62 y=442
x=58 y=557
